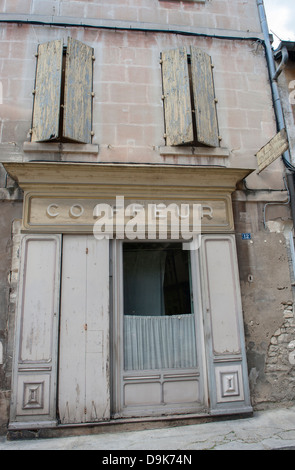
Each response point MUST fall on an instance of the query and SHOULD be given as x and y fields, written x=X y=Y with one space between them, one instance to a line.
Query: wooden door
x=225 y=343
x=158 y=357
x=83 y=393
x=36 y=342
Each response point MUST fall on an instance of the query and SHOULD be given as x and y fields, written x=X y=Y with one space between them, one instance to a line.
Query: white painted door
x=225 y=343
x=83 y=389
x=158 y=356
x=36 y=342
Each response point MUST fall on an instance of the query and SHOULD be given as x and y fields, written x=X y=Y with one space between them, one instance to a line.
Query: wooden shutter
x=84 y=330
x=47 y=92
x=177 y=101
x=204 y=98
x=35 y=361
x=223 y=318
x=78 y=92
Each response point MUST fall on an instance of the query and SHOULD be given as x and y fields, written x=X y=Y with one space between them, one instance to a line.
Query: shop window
x=63 y=93
x=189 y=98
x=159 y=331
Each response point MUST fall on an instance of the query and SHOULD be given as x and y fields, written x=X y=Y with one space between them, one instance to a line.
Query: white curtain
x=160 y=342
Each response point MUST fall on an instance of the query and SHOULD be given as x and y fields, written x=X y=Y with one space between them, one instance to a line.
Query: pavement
x=265 y=430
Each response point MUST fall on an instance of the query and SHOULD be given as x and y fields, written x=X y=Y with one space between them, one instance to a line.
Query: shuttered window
x=63 y=93
x=189 y=98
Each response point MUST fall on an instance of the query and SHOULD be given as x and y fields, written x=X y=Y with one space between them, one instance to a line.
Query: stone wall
x=266 y=276
x=221 y=14
x=280 y=360
x=10 y=212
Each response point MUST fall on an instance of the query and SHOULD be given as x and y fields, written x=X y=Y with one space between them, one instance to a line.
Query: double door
x=138 y=329
x=61 y=361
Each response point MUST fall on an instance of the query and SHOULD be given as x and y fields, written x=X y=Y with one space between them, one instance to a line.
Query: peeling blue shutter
x=204 y=98
x=78 y=92
x=47 y=92
x=177 y=102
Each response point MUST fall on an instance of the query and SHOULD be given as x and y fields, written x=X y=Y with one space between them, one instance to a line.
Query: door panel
x=159 y=355
x=84 y=330
x=226 y=355
x=181 y=391
x=35 y=361
x=147 y=393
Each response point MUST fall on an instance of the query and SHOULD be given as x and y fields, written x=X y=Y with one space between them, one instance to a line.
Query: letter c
x=49 y=211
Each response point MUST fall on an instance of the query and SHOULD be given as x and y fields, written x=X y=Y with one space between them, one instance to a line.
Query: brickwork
x=128 y=119
x=238 y=15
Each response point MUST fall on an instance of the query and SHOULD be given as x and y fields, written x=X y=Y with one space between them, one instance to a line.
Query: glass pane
x=159 y=328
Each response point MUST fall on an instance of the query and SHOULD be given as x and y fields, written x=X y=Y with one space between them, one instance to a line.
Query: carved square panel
x=229 y=384
x=33 y=394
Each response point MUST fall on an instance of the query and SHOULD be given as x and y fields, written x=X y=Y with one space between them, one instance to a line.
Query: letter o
x=73 y=214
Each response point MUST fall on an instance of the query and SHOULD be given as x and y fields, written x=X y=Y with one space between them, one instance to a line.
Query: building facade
x=147 y=259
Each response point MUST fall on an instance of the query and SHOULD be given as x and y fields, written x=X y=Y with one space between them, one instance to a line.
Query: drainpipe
x=274 y=73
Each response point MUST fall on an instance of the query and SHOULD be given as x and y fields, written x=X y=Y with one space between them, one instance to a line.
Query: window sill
x=54 y=147
x=195 y=151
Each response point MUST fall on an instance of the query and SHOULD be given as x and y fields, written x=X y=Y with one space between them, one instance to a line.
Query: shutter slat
x=47 y=92
x=177 y=102
x=78 y=92
x=204 y=98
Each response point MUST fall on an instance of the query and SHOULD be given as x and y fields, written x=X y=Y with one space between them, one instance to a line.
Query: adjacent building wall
x=10 y=215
